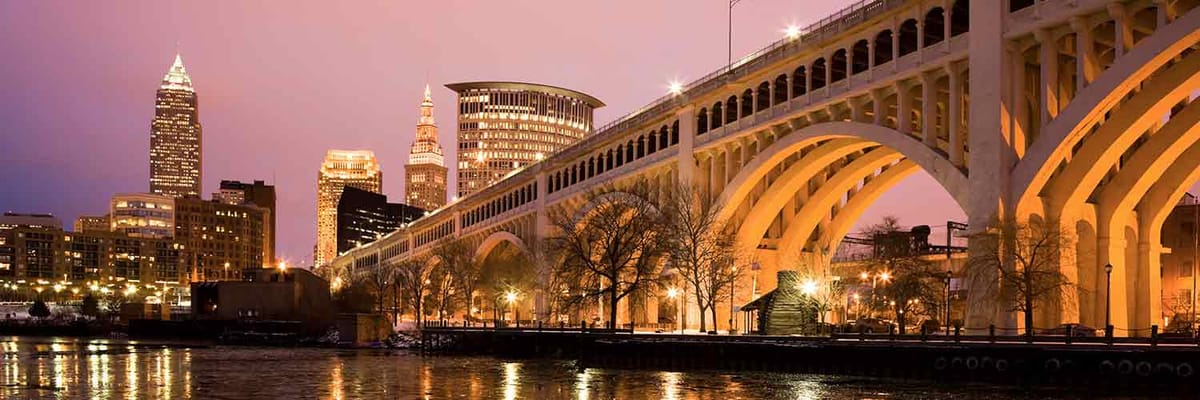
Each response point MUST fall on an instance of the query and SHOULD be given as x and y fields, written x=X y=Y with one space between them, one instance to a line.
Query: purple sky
x=281 y=82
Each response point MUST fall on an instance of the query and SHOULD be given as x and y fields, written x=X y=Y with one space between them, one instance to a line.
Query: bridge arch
x=1054 y=145
x=491 y=242
x=857 y=162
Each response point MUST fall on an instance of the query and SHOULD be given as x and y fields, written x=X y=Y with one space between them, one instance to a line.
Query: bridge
x=1077 y=111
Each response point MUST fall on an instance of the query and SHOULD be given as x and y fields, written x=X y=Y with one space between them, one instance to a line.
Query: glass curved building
x=504 y=126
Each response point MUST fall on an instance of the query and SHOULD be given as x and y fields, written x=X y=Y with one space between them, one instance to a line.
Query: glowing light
x=675 y=88
x=863 y=276
x=283 y=266
x=672 y=292
x=130 y=290
x=792 y=32
x=885 y=276
x=510 y=297
x=808 y=287
x=58 y=287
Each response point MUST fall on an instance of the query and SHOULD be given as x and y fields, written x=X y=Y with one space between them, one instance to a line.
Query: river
x=67 y=368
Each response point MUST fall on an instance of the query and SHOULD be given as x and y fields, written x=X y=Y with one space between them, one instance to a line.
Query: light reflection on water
x=79 y=368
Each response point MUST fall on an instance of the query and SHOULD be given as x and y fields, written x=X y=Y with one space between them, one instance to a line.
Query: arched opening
x=652 y=143
x=763 y=101
x=799 y=80
x=718 y=112
x=731 y=109
x=811 y=202
x=935 y=26
x=883 y=47
x=781 y=90
x=664 y=139
x=908 y=37
x=860 y=57
x=505 y=269
x=675 y=132
x=1014 y=5
x=837 y=67
x=747 y=103
x=701 y=121
x=960 y=17
x=818 y=74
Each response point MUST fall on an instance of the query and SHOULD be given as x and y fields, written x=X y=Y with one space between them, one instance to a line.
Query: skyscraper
x=504 y=126
x=425 y=174
x=341 y=168
x=175 y=138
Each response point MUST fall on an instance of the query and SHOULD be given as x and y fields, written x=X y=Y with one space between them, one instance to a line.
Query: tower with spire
x=175 y=136
x=425 y=173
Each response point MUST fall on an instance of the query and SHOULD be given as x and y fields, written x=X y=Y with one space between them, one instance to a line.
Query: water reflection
x=68 y=368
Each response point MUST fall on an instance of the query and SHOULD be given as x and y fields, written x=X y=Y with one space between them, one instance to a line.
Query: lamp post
x=1108 y=296
x=511 y=298
x=732 y=283
x=672 y=293
x=730 y=60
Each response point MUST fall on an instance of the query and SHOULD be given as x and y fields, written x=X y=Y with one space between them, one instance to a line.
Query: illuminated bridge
x=1076 y=111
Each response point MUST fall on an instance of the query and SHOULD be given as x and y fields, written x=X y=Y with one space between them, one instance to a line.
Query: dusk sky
x=280 y=82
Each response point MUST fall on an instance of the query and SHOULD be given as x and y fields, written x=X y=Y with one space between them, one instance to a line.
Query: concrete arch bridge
x=1077 y=111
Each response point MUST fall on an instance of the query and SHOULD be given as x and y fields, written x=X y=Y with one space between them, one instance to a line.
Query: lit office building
x=363 y=217
x=425 y=173
x=142 y=215
x=259 y=194
x=505 y=126
x=175 y=136
x=341 y=168
x=92 y=223
x=220 y=240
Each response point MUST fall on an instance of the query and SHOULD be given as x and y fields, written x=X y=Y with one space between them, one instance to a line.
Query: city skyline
x=271 y=110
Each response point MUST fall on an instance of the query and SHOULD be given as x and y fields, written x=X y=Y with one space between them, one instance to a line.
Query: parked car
x=1076 y=330
x=869 y=325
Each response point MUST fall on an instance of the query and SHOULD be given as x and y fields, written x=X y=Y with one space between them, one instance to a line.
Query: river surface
x=33 y=368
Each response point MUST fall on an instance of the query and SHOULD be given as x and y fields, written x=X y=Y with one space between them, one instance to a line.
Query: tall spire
x=177 y=77
x=427 y=108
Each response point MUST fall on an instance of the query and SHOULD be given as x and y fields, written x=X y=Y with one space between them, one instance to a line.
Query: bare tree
x=442 y=291
x=412 y=275
x=702 y=248
x=555 y=292
x=379 y=280
x=1026 y=258
x=613 y=248
x=912 y=284
x=460 y=266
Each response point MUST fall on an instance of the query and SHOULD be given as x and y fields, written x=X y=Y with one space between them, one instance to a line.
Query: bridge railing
x=830 y=25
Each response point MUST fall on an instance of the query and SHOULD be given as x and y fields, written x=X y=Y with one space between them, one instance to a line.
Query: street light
x=511 y=298
x=675 y=88
x=672 y=293
x=1108 y=296
x=792 y=32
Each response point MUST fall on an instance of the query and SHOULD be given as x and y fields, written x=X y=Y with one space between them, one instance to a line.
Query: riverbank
x=1055 y=361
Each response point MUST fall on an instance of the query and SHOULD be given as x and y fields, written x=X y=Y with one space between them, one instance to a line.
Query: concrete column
x=1124 y=32
x=858 y=112
x=1020 y=103
x=877 y=106
x=705 y=177
x=1085 y=58
x=685 y=160
x=1048 y=56
x=828 y=72
x=808 y=73
x=929 y=128
x=946 y=4
x=903 y=107
x=991 y=151
x=1166 y=12
x=731 y=166
x=849 y=64
x=791 y=84
x=871 y=57
x=746 y=155
x=954 y=116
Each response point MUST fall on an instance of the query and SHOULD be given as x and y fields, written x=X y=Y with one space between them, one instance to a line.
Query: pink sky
x=281 y=82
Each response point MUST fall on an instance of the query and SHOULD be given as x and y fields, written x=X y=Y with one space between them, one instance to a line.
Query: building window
x=1185 y=269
